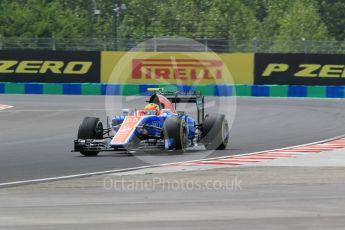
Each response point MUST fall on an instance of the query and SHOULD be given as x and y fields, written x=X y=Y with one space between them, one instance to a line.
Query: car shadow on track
x=152 y=153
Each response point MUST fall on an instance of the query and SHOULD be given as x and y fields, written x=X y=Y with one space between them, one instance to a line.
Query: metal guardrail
x=173 y=44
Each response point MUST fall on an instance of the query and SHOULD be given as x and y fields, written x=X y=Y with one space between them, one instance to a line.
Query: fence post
x=305 y=44
x=206 y=44
x=104 y=43
x=255 y=44
x=154 y=43
x=53 y=43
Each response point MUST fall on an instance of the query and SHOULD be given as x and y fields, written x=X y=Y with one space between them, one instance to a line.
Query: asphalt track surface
x=37 y=134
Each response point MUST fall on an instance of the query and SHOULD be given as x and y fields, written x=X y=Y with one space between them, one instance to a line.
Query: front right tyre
x=90 y=128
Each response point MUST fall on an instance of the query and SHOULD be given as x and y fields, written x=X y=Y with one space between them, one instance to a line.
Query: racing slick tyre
x=174 y=128
x=215 y=132
x=90 y=128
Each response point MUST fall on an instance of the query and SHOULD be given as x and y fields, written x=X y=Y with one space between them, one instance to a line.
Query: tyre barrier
x=207 y=90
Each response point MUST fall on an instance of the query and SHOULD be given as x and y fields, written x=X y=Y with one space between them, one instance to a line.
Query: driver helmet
x=151 y=109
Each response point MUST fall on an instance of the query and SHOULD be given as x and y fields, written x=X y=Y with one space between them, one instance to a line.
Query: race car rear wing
x=190 y=97
x=187 y=97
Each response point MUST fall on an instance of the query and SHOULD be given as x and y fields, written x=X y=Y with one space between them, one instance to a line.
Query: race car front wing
x=94 y=145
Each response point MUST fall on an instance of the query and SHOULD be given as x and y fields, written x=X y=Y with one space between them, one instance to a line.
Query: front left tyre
x=215 y=132
x=90 y=128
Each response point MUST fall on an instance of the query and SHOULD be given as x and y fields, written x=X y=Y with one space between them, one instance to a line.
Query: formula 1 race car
x=157 y=126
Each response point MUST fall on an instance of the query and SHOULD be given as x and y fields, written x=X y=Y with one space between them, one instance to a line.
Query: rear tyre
x=90 y=128
x=215 y=132
x=175 y=128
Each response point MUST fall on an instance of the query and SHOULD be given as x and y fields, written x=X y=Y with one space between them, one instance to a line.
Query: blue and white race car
x=157 y=126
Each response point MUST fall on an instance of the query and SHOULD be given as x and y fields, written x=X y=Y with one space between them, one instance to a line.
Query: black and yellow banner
x=179 y=68
x=49 y=66
x=300 y=69
x=189 y=68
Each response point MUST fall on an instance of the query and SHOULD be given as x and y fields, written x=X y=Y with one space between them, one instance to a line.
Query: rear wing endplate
x=188 y=97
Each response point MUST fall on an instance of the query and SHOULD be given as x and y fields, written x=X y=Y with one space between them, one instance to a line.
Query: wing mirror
x=126 y=112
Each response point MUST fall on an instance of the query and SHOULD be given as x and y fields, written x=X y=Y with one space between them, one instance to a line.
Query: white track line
x=2 y=107
x=50 y=179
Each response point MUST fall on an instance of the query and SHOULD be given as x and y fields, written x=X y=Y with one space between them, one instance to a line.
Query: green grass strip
x=52 y=88
x=128 y=90
x=14 y=88
x=243 y=90
x=316 y=91
x=91 y=89
x=279 y=90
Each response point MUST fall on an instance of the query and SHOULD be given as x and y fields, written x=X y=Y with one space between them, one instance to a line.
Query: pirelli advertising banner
x=49 y=66
x=190 y=68
x=299 y=69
